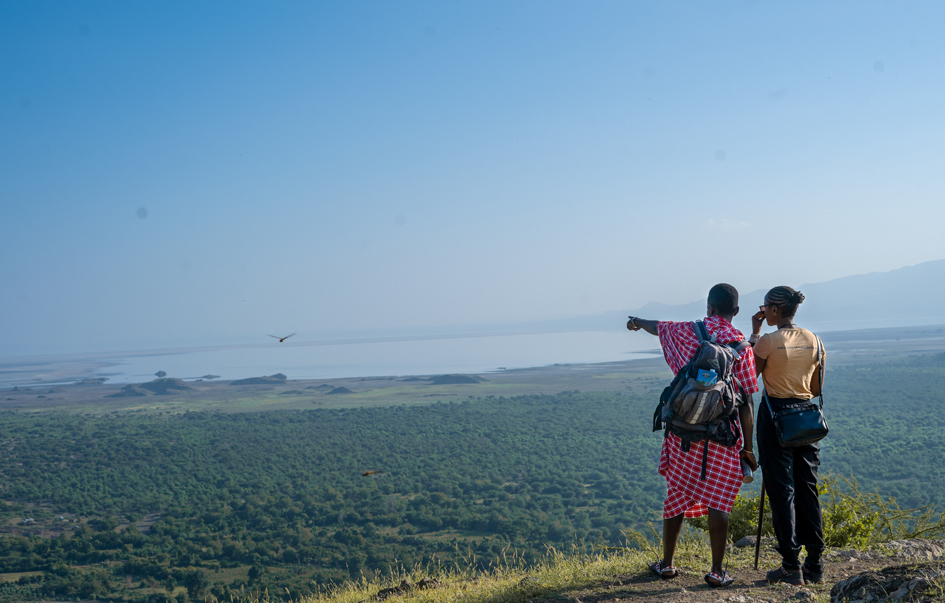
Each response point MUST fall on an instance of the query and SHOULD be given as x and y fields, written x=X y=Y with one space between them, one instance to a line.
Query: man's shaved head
x=724 y=298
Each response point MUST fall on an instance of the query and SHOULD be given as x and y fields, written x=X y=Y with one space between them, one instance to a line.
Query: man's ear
x=735 y=313
x=710 y=310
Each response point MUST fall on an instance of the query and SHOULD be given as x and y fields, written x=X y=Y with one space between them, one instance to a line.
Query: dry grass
x=508 y=579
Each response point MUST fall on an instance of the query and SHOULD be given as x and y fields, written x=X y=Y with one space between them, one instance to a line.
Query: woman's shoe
x=812 y=576
x=786 y=576
x=717 y=581
x=664 y=572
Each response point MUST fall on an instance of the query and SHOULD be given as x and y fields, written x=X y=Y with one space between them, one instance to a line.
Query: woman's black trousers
x=790 y=476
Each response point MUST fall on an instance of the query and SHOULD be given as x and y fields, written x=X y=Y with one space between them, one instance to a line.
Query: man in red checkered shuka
x=687 y=495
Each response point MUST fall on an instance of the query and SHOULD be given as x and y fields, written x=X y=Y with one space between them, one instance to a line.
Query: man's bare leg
x=718 y=536
x=671 y=529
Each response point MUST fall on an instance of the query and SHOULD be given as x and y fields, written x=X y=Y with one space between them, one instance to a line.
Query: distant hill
x=905 y=297
x=909 y=296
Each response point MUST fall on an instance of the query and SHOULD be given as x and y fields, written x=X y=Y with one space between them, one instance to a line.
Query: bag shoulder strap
x=739 y=347
x=764 y=396
x=820 y=361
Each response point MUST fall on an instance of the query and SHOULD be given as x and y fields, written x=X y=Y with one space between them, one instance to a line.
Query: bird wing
x=275 y=337
x=287 y=336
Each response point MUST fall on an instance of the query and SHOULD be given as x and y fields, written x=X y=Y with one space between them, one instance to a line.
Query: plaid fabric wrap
x=686 y=493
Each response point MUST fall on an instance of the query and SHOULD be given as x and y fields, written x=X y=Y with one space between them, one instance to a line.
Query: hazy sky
x=197 y=172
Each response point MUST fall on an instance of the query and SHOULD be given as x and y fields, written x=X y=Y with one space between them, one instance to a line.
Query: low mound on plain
x=276 y=379
x=130 y=391
x=339 y=390
x=159 y=387
x=456 y=379
x=324 y=387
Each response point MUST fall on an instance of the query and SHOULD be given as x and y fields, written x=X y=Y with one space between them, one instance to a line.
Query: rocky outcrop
x=909 y=582
x=405 y=587
x=749 y=541
x=324 y=387
x=276 y=379
x=916 y=548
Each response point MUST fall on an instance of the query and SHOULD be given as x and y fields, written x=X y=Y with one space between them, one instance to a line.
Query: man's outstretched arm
x=650 y=326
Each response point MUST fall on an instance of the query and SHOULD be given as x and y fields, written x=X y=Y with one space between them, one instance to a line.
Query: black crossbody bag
x=805 y=423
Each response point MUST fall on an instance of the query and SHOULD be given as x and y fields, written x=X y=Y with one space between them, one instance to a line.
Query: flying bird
x=367 y=473
x=281 y=339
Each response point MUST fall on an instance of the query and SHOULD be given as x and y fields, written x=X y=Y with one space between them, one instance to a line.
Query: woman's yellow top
x=791 y=368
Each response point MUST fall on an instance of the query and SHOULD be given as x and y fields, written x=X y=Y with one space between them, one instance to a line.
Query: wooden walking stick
x=761 y=519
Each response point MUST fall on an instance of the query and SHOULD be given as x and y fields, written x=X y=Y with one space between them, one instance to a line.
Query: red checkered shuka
x=686 y=492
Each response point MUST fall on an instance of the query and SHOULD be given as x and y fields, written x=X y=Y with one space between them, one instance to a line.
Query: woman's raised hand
x=757 y=320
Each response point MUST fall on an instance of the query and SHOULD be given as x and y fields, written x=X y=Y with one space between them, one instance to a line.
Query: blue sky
x=196 y=173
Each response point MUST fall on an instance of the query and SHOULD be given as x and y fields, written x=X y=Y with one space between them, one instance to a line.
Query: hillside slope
x=907 y=570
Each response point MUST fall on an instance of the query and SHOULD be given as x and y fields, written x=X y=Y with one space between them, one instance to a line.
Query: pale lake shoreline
x=431 y=356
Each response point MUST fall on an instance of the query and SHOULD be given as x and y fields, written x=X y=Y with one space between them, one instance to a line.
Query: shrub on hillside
x=851 y=518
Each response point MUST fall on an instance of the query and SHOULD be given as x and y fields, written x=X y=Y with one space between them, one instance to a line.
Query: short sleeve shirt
x=790 y=361
x=680 y=343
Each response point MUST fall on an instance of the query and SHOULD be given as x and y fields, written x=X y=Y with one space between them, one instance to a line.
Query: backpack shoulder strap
x=739 y=346
x=702 y=333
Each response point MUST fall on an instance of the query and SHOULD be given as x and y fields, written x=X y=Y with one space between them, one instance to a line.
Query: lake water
x=335 y=359
x=428 y=355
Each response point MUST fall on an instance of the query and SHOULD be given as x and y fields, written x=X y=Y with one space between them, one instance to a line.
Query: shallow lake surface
x=336 y=359
x=420 y=355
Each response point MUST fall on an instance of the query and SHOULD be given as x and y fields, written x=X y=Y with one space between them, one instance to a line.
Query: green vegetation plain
x=138 y=498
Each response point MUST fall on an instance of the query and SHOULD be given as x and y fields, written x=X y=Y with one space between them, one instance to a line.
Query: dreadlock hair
x=785 y=298
x=724 y=298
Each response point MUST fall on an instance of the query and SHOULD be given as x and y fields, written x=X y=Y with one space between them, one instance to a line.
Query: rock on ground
x=913 y=583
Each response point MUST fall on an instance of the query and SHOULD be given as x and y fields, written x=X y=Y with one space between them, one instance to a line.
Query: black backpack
x=699 y=405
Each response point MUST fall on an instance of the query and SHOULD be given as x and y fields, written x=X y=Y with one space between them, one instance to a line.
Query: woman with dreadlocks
x=789 y=360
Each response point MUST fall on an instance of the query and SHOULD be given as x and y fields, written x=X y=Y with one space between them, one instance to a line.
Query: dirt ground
x=750 y=586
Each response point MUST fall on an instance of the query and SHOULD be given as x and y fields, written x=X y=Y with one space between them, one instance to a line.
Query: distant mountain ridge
x=908 y=296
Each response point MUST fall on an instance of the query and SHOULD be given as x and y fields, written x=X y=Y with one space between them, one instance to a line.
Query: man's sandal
x=716 y=581
x=666 y=572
